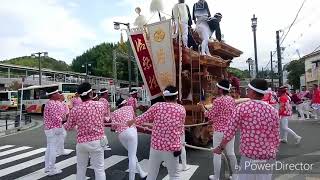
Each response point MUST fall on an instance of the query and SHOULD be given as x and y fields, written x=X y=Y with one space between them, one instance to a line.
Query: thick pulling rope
x=194 y=125
x=184 y=144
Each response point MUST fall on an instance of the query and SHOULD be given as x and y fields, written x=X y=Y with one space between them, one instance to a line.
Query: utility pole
x=271 y=73
x=254 y=21
x=279 y=60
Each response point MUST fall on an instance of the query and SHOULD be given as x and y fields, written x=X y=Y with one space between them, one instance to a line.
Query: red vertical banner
x=144 y=61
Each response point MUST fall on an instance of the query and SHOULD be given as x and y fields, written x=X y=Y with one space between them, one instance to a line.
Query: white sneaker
x=143 y=174
x=298 y=139
x=185 y=168
x=54 y=172
x=107 y=148
x=64 y=153
x=211 y=177
x=284 y=141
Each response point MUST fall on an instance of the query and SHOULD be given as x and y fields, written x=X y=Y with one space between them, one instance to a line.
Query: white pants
x=248 y=171
x=184 y=31
x=300 y=110
x=53 y=136
x=60 y=145
x=129 y=139
x=183 y=155
x=285 y=129
x=217 y=138
x=96 y=153
x=306 y=108
x=204 y=33
x=155 y=160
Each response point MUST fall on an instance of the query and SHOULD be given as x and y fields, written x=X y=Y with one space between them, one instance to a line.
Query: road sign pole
x=21 y=99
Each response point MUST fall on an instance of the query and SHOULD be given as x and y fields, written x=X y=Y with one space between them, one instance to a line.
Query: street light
x=117 y=27
x=250 y=63
x=86 y=65
x=254 y=21
x=39 y=55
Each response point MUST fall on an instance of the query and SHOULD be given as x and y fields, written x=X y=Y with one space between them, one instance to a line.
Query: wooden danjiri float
x=158 y=53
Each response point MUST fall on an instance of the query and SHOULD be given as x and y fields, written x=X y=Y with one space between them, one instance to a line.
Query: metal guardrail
x=12 y=118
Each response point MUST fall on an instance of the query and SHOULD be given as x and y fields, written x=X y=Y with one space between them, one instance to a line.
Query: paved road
x=21 y=155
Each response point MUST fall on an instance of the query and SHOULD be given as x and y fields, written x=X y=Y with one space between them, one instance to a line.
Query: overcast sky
x=66 y=28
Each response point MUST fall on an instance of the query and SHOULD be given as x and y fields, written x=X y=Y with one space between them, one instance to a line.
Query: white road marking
x=6 y=146
x=185 y=175
x=21 y=156
x=14 y=150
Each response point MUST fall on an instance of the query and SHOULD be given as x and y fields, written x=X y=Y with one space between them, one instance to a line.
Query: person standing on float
x=168 y=124
x=182 y=19
x=128 y=136
x=219 y=115
x=258 y=123
x=285 y=111
x=88 y=118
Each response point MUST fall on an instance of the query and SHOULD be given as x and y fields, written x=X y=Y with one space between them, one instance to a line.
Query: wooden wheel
x=200 y=136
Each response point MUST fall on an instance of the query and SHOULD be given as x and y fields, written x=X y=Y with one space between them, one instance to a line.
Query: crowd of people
x=259 y=121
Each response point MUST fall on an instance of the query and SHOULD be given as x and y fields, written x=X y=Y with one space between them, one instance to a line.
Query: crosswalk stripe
x=143 y=164
x=21 y=156
x=185 y=175
x=112 y=160
x=6 y=146
x=40 y=173
x=21 y=166
x=115 y=159
x=72 y=177
x=14 y=150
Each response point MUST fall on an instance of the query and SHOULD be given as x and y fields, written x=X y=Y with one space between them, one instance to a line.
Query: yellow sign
x=161 y=56
x=159 y=35
x=166 y=78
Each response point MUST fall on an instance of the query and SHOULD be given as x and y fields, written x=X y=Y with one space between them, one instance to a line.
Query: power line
x=285 y=36
x=316 y=49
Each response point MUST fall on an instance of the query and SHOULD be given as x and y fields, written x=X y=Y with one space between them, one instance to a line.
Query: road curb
x=18 y=129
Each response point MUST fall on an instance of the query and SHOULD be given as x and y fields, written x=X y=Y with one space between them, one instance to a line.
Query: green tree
x=48 y=63
x=101 y=59
x=295 y=68
x=238 y=73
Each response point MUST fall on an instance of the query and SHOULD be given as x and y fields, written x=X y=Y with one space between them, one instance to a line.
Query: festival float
x=162 y=61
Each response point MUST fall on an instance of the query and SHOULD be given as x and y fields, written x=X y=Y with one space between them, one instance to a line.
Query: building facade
x=312 y=71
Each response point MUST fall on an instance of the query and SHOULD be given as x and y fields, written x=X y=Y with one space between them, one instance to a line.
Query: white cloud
x=44 y=26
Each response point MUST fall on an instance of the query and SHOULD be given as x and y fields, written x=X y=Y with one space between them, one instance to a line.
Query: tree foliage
x=101 y=59
x=48 y=63
x=295 y=68
x=238 y=73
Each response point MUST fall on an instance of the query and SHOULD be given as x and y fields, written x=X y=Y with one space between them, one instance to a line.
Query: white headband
x=224 y=88
x=101 y=92
x=48 y=94
x=257 y=90
x=133 y=92
x=168 y=93
x=86 y=93
x=123 y=102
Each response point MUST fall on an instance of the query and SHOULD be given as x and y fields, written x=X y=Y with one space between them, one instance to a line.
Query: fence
x=11 y=119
